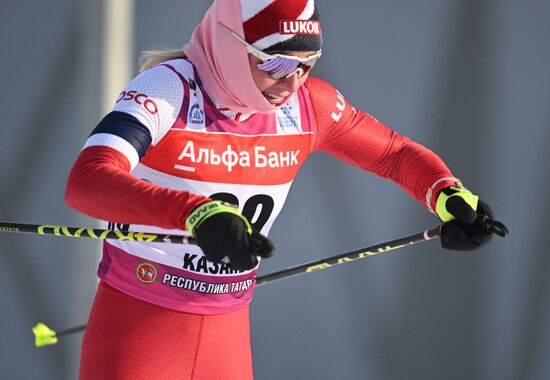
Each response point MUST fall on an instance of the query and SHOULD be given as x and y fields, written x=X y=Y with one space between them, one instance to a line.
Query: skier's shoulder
x=321 y=92
x=168 y=73
x=328 y=103
x=317 y=86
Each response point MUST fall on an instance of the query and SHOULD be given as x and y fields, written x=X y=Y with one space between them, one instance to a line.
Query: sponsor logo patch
x=311 y=27
x=288 y=119
x=241 y=159
x=140 y=98
x=340 y=106
x=146 y=273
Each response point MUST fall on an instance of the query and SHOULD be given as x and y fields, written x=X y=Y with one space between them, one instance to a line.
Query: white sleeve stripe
x=115 y=142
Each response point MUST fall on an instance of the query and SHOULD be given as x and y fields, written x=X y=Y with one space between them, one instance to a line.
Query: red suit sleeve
x=361 y=140
x=101 y=186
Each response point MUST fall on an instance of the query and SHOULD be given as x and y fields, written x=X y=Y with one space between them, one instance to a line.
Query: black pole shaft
x=70 y=331
x=349 y=256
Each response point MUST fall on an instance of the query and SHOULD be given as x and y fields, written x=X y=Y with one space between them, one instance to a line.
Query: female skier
x=206 y=141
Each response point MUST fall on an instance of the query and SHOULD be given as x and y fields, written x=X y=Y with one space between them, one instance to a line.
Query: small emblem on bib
x=196 y=115
x=146 y=273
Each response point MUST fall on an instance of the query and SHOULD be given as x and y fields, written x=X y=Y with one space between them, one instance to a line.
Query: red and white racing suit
x=167 y=147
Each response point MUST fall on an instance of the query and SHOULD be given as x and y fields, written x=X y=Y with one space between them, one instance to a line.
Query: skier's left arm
x=362 y=140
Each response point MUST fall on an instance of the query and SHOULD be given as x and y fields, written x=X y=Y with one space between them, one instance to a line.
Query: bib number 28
x=257 y=209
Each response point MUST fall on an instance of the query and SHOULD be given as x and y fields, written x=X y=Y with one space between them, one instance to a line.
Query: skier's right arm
x=100 y=184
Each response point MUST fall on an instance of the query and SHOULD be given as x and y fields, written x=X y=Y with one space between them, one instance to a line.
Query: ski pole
x=95 y=233
x=46 y=336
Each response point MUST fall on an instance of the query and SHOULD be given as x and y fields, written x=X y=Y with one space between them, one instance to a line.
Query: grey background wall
x=470 y=79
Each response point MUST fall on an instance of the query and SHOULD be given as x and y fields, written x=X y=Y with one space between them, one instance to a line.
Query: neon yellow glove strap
x=440 y=206
x=208 y=209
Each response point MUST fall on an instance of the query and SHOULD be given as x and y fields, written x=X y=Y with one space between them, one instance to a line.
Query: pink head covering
x=222 y=62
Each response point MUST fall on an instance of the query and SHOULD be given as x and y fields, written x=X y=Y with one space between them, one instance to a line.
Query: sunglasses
x=278 y=66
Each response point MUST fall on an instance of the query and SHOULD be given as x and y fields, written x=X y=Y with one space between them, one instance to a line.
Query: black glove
x=226 y=236
x=469 y=222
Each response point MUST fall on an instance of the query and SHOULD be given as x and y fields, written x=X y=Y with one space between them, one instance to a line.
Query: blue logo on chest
x=196 y=115
x=287 y=118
